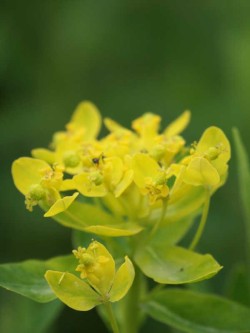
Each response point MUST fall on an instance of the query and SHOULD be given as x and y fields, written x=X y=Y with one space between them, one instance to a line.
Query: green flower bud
x=87 y=260
x=37 y=192
x=212 y=153
x=96 y=177
x=71 y=159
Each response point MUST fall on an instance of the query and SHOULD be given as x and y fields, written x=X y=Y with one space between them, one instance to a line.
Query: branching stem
x=161 y=219
x=202 y=222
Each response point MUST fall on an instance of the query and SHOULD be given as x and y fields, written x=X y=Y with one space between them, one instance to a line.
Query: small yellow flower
x=102 y=283
x=149 y=177
x=97 y=266
x=40 y=184
x=207 y=163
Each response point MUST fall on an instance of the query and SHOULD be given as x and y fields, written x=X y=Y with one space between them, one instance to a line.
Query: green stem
x=202 y=222
x=163 y=213
x=111 y=317
x=132 y=316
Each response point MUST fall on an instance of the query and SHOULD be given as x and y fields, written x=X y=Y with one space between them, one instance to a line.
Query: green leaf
x=236 y=287
x=92 y=219
x=28 y=315
x=27 y=278
x=72 y=291
x=175 y=265
x=197 y=312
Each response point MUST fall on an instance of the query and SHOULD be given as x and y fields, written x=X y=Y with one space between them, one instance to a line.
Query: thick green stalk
x=131 y=313
x=111 y=317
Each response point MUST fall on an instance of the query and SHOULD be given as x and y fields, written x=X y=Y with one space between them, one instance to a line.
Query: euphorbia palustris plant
x=138 y=191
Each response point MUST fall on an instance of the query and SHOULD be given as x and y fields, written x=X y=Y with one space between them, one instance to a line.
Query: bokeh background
x=128 y=57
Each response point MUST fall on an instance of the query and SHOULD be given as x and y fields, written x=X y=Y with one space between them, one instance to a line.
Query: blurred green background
x=128 y=57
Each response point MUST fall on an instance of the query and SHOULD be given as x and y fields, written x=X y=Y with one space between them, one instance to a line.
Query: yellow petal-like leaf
x=72 y=291
x=88 y=188
x=87 y=116
x=178 y=125
x=215 y=137
x=144 y=167
x=68 y=185
x=185 y=203
x=26 y=172
x=61 y=205
x=201 y=172
x=147 y=125
x=44 y=154
x=113 y=171
x=118 y=230
x=112 y=125
x=124 y=183
x=123 y=281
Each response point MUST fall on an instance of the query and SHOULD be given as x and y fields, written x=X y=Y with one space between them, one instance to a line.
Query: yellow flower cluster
x=132 y=172
x=132 y=181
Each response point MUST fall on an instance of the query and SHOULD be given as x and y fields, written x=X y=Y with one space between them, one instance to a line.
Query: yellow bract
x=216 y=148
x=178 y=125
x=61 y=205
x=200 y=172
x=207 y=164
x=149 y=177
x=147 y=128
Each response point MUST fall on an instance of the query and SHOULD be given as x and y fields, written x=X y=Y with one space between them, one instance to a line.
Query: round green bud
x=96 y=177
x=212 y=153
x=87 y=260
x=37 y=192
x=71 y=159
